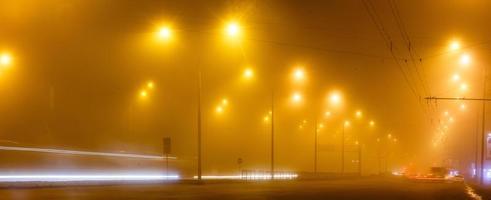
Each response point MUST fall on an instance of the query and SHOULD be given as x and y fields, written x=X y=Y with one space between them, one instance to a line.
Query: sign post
x=166 y=152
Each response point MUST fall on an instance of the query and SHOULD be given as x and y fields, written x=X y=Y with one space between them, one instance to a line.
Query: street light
x=143 y=94
x=150 y=85
x=296 y=97
x=463 y=87
x=219 y=109
x=359 y=114
x=232 y=29
x=456 y=77
x=465 y=59
x=372 y=123
x=298 y=74
x=462 y=106
x=345 y=124
x=454 y=45
x=225 y=102
x=5 y=59
x=248 y=73
x=335 y=98
x=327 y=114
x=164 y=33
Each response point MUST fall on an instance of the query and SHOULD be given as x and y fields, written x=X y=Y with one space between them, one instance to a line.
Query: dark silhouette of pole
x=200 y=153
x=272 y=134
x=476 y=149
x=483 y=144
x=342 y=149
x=315 y=145
x=359 y=159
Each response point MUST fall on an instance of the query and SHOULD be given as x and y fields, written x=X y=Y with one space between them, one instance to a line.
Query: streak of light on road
x=248 y=177
x=89 y=153
x=472 y=193
x=84 y=177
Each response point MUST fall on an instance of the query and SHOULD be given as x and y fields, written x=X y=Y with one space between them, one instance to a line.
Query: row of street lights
x=232 y=30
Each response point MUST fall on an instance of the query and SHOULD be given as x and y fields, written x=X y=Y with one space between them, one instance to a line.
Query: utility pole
x=476 y=149
x=342 y=149
x=483 y=144
x=199 y=126
x=272 y=134
x=359 y=158
x=315 y=145
x=379 y=157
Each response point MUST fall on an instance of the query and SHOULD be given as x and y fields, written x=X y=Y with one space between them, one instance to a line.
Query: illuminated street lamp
x=248 y=73
x=232 y=29
x=5 y=60
x=345 y=124
x=298 y=74
x=358 y=114
x=462 y=106
x=225 y=102
x=164 y=33
x=219 y=109
x=296 y=97
x=150 y=85
x=371 y=123
x=463 y=87
x=143 y=94
x=465 y=59
x=454 y=45
x=456 y=77
x=335 y=98
x=327 y=114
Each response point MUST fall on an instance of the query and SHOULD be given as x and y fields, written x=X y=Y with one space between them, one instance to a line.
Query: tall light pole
x=345 y=124
x=316 y=132
x=232 y=30
x=272 y=133
x=484 y=143
x=200 y=153
x=359 y=157
x=317 y=128
x=342 y=149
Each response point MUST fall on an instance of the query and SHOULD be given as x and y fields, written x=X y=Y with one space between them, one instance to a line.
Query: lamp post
x=316 y=132
x=345 y=124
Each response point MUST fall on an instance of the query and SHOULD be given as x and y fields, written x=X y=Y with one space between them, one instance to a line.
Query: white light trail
x=249 y=177
x=84 y=177
x=73 y=152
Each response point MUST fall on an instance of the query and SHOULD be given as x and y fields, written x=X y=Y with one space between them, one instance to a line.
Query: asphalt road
x=327 y=189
